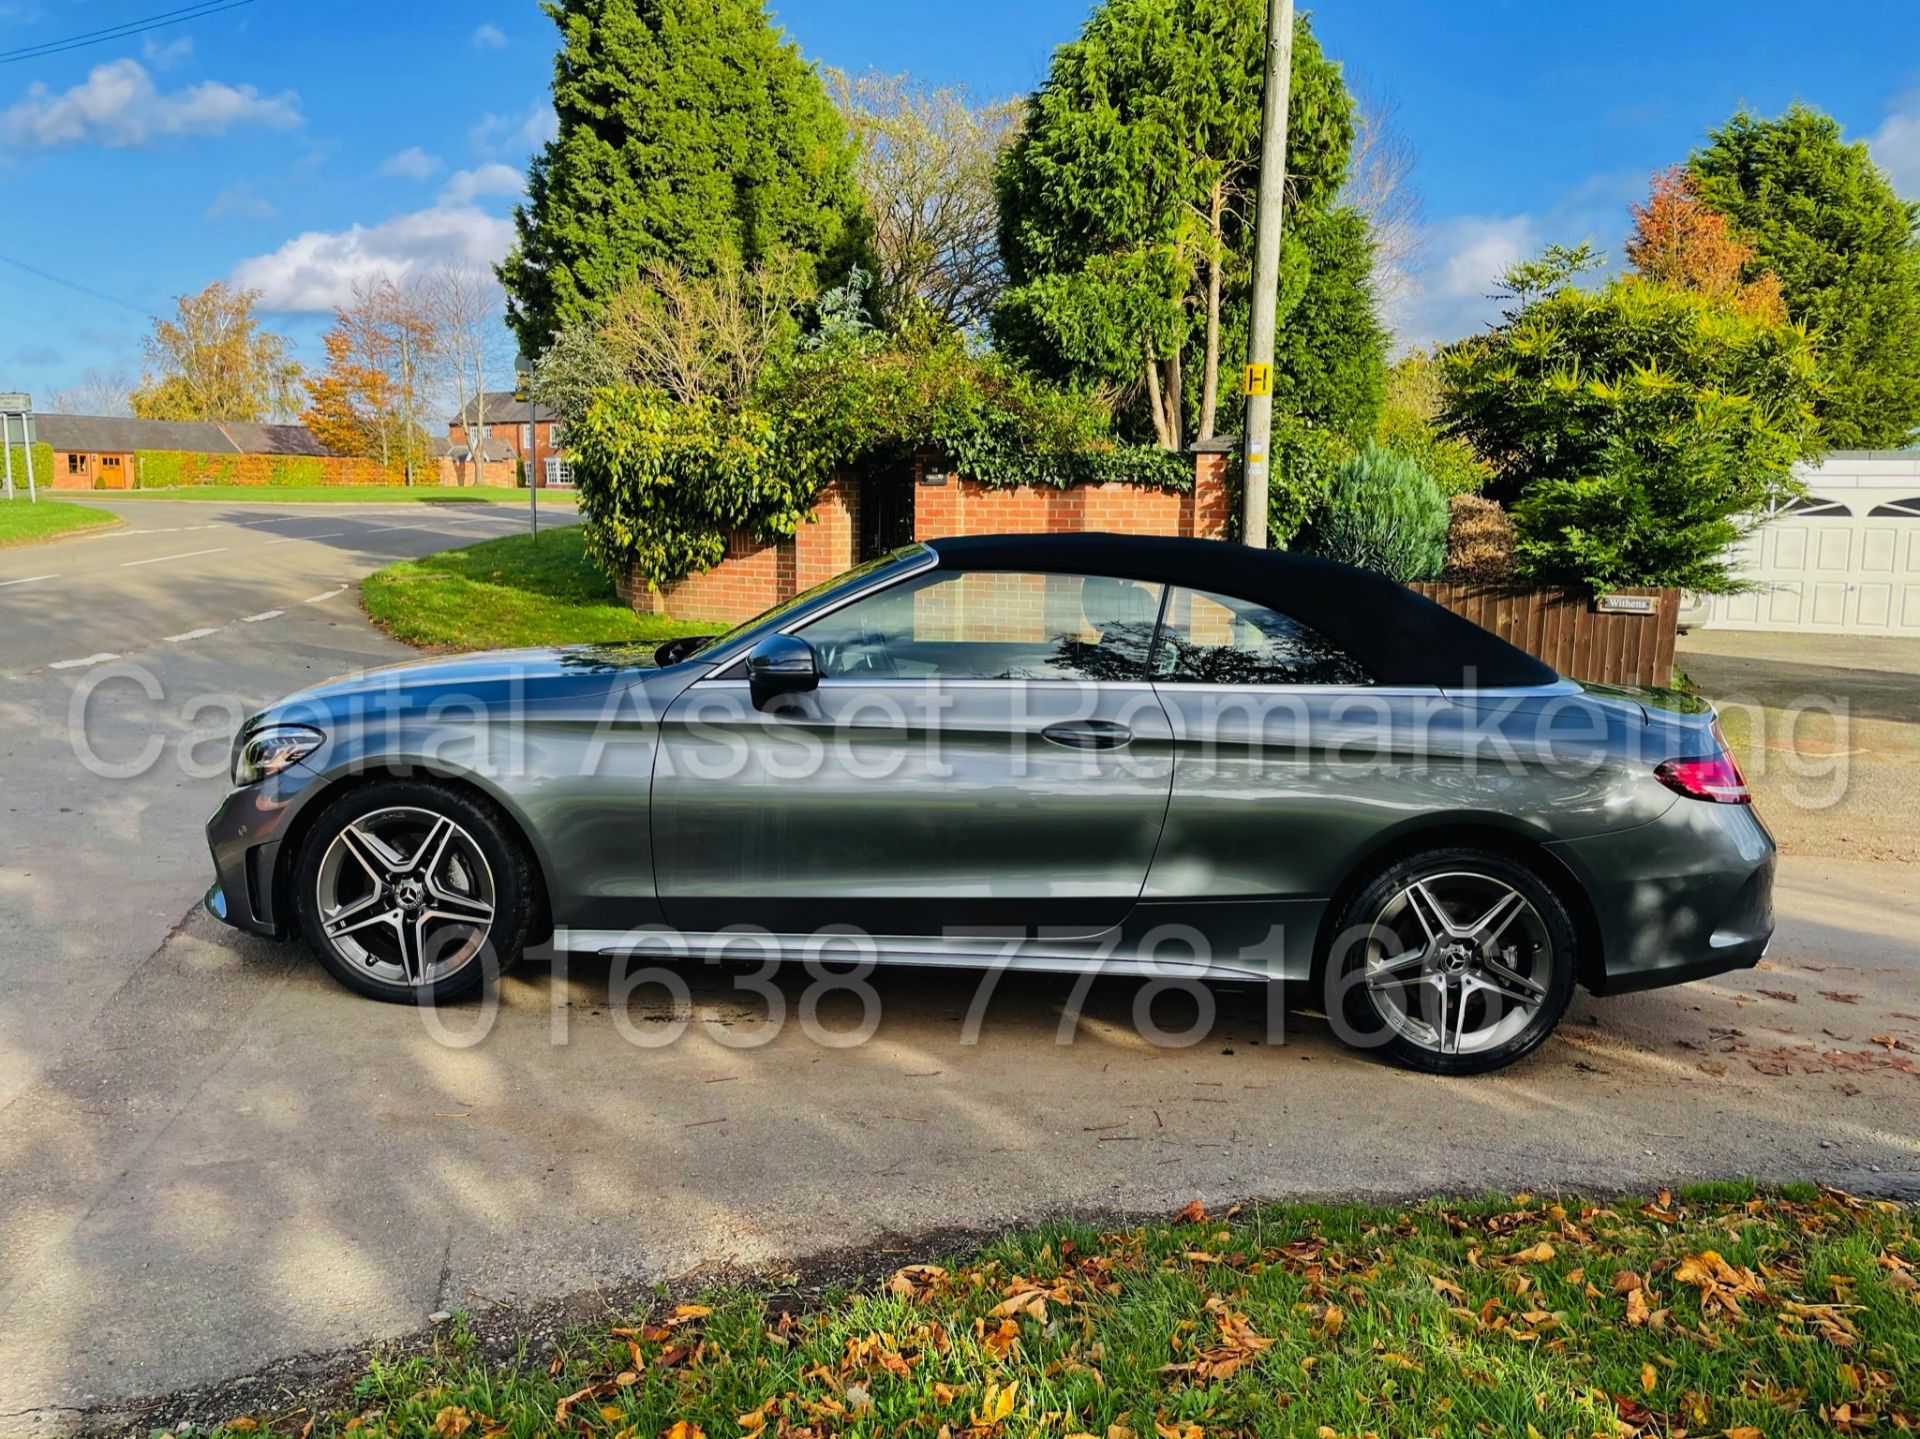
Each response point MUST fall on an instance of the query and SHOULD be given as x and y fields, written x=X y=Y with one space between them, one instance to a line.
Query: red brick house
x=530 y=433
x=857 y=517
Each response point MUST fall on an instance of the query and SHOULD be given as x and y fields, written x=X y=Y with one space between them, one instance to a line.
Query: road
x=212 y=1158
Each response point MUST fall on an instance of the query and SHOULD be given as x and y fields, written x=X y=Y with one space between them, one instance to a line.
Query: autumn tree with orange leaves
x=1678 y=241
x=382 y=357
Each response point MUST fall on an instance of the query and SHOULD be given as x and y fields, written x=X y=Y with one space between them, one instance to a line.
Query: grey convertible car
x=1046 y=752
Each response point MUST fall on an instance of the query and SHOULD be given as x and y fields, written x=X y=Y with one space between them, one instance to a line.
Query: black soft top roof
x=1403 y=638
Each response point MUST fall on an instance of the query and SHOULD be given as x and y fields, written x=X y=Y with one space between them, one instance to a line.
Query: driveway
x=1829 y=731
x=213 y=1158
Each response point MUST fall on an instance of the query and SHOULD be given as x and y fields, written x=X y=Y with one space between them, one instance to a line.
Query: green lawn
x=1719 y=1312
x=345 y=494
x=23 y=522
x=506 y=593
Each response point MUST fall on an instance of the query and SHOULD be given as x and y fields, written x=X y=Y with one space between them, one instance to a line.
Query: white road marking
x=27 y=581
x=316 y=599
x=263 y=615
x=156 y=559
x=191 y=635
x=76 y=664
x=295 y=539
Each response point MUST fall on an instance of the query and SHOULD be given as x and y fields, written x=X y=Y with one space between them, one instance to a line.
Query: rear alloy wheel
x=411 y=893
x=1456 y=961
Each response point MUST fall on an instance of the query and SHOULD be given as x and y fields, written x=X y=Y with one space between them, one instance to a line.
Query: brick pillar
x=938 y=509
x=1210 y=505
x=825 y=543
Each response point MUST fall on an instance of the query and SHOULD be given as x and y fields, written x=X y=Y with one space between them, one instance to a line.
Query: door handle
x=1089 y=734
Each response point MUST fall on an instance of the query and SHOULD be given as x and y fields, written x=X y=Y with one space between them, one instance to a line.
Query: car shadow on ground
x=250 y=1162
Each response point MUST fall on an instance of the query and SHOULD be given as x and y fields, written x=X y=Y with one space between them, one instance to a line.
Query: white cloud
x=118 y=106
x=1445 y=296
x=315 y=272
x=489 y=37
x=412 y=163
x=239 y=202
x=492 y=179
x=1896 y=144
x=1459 y=261
x=516 y=134
x=163 y=54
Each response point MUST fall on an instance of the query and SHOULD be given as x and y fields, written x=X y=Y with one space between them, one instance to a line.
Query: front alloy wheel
x=411 y=892
x=405 y=895
x=1457 y=962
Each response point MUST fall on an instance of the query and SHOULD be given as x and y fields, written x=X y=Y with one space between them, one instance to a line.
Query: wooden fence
x=1570 y=631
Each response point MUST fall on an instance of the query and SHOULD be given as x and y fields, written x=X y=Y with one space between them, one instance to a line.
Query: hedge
x=42 y=464
x=170 y=469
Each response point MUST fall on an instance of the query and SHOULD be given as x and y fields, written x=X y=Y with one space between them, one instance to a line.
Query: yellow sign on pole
x=1259 y=380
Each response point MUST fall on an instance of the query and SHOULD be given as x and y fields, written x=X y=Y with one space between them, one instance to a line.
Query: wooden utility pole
x=1258 y=383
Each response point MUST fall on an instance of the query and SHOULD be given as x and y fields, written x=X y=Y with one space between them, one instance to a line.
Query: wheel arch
x=456 y=781
x=1496 y=833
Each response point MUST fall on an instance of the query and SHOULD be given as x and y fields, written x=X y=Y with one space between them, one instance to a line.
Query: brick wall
x=488 y=472
x=956 y=506
x=757 y=574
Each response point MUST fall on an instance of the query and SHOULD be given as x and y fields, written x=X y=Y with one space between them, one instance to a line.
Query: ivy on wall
x=662 y=483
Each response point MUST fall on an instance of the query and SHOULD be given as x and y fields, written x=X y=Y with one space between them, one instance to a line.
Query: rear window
x=1218 y=640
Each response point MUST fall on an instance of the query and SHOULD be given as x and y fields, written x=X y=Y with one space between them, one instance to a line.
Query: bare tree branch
x=927 y=156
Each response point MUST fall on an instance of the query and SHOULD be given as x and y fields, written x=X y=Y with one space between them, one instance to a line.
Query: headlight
x=268 y=751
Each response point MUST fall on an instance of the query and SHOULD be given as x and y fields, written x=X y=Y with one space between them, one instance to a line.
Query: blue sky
x=294 y=146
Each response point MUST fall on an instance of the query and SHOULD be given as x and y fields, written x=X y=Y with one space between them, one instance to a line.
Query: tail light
x=1715 y=778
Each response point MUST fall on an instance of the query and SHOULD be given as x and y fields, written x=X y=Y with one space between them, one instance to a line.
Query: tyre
x=1453 y=961
x=412 y=893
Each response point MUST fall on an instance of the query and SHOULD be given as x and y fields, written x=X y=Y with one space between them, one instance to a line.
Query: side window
x=987 y=625
x=1218 y=640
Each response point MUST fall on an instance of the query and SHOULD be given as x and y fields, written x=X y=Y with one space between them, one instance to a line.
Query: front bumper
x=1688 y=896
x=246 y=836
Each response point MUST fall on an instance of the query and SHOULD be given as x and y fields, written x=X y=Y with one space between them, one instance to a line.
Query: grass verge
x=1722 y=1311
x=507 y=593
x=340 y=494
x=24 y=523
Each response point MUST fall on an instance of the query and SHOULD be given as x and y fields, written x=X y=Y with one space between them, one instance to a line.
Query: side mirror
x=781 y=665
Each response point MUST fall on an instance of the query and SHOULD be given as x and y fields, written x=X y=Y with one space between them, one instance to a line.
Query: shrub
x=1658 y=510
x=1409 y=425
x=661 y=483
x=1385 y=513
x=1302 y=462
x=1640 y=427
x=1479 y=542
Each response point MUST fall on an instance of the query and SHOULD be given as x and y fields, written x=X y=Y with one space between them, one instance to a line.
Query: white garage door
x=1847 y=566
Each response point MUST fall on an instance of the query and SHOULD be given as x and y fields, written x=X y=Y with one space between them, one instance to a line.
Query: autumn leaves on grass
x=1724 y=1311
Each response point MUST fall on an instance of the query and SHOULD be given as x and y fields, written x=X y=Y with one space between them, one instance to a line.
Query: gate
x=886 y=505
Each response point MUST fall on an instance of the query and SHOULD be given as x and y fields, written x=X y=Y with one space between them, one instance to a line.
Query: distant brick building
x=499 y=419
x=106 y=452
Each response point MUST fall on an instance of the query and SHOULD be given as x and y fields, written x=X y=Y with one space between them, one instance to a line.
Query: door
x=1287 y=768
x=1842 y=566
x=983 y=751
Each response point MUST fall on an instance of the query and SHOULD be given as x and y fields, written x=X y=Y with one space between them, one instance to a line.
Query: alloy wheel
x=405 y=895
x=1458 y=963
